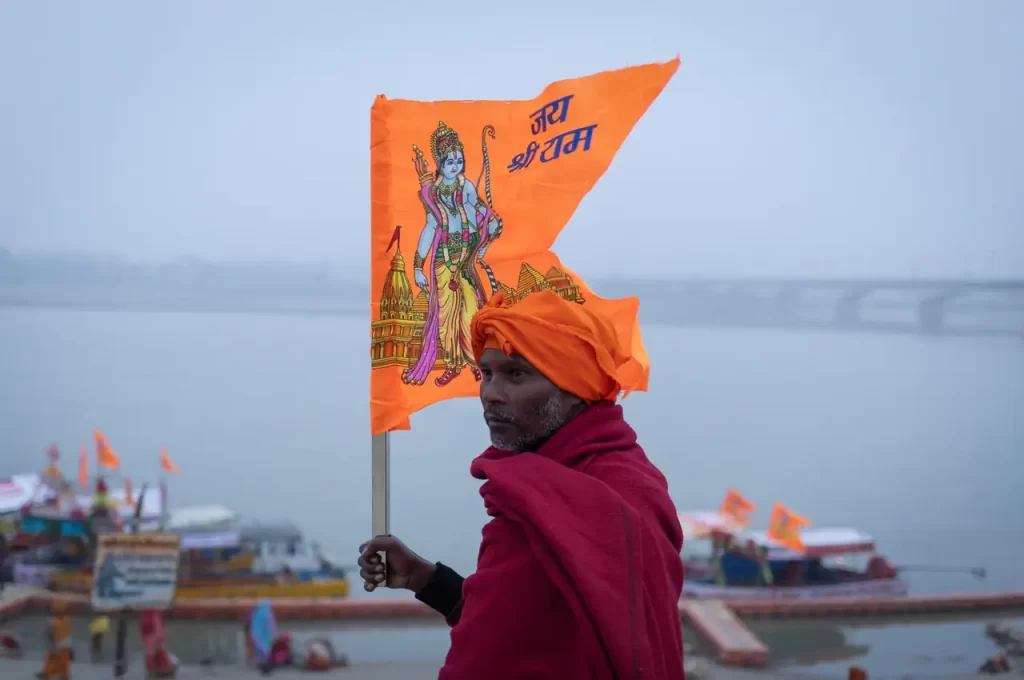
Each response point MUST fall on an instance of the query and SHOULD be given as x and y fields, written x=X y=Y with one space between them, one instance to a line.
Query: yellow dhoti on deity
x=456 y=304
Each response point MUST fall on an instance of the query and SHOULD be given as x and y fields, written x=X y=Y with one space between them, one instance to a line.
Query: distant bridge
x=946 y=306
x=935 y=307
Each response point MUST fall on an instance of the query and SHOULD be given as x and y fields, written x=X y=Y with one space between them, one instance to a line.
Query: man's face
x=522 y=408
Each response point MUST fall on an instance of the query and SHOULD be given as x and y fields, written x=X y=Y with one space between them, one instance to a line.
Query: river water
x=915 y=440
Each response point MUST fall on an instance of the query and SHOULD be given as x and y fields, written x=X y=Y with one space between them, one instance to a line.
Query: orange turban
x=571 y=345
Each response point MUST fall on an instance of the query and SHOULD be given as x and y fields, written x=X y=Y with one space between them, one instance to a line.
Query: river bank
x=887 y=423
x=824 y=649
x=412 y=670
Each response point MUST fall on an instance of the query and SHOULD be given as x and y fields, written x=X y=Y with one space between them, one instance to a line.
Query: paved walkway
x=421 y=670
x=18 y=669
x=14 y=592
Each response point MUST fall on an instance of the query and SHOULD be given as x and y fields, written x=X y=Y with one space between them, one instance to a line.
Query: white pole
x=164 y=508
x=380 y=464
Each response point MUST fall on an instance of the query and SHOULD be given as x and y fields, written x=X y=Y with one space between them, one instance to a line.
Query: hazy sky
x=798 y=137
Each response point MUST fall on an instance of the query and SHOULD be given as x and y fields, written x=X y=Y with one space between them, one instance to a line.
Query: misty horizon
x=858 y=139
x=358 y=269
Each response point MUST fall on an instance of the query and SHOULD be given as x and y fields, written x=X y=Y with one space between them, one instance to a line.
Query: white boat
x=749 y=565
x=214 y=536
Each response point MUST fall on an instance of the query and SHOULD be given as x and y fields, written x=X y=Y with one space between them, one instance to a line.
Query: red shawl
x=579 y=573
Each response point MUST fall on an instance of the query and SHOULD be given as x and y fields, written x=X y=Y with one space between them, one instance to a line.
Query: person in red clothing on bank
x=579 y=572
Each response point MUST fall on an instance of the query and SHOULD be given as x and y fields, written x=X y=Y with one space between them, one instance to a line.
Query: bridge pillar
x=848 y=307
x=786 y=301
x=931 y=314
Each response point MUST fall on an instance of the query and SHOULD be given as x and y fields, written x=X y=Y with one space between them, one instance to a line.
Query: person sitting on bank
x=995 y=666
x=11 y=645
x=321 y=656
x=159 y=662
x=579 y=571
x=98 y=628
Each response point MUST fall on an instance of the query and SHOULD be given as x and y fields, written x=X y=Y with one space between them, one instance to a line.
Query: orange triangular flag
x=485 y=188
x=737 y=507
x=105 y=456
x=83 y=468
x=166 y=464
x=785 y=527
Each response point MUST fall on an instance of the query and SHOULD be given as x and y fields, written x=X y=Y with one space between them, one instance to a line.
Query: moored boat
x=54 y=535
x=255 y=559
x=53 y=528
x=222 y=557
x=784 y=562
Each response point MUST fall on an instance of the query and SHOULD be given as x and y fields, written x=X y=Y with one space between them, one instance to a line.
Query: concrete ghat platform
x=733 y=642
x=718 y=622
x=21 y=600
x=285 y=609
x=889 y=607
x=18 y=600
x=16 y=669
x=415 y=670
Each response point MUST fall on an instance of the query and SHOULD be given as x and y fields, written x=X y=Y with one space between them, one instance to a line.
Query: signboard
x=135 y=571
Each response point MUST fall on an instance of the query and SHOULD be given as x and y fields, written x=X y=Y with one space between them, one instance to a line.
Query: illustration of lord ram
x=460 y=225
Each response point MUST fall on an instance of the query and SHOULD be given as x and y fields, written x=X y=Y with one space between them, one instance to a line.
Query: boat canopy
x=205 y=527
x=210 y=540
x=704 y=523
x=17 y=491
x=817 y=542
x=271 y=532
x=215 y=527
x=201 y=517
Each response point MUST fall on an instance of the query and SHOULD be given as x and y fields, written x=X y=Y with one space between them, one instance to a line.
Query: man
x=57 y=663
x=579 y=572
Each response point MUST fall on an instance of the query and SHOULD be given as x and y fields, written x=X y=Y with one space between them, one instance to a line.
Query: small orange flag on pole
x=83 y=468
x=166 y=464
x=105 y=456
x=129 y=495
x=785 y=527
x=736 y=507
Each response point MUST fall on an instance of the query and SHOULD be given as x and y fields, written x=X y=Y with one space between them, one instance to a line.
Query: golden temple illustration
x=396 y=339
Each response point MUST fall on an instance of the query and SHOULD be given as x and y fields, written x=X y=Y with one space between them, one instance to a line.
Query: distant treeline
x=193 y=285
x=224 y=279
x=195 y=275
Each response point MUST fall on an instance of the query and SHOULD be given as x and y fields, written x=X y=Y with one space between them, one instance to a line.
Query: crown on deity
x=443 y=141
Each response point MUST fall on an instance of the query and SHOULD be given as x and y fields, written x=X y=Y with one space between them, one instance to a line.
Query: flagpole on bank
x=380 y=470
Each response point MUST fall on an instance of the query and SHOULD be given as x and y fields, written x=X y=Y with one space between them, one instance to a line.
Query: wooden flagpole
x=380 y=465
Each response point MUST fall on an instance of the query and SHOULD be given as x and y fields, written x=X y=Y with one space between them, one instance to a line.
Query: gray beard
x=549 y=419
